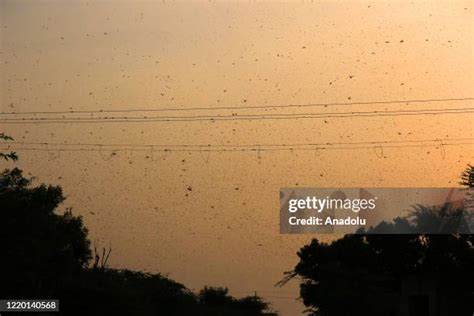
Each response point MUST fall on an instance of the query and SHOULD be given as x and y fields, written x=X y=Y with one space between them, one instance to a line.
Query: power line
x=436 y=140
x=57 y=147
x=232 y=150
x=243 y=107
x=238 y=117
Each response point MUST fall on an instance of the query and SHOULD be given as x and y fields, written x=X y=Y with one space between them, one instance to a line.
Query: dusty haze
x=212 y=219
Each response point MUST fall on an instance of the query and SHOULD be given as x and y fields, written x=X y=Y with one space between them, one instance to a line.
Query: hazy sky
x=212 y=219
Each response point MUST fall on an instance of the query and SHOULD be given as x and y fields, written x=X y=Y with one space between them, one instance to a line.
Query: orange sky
x=146 y=55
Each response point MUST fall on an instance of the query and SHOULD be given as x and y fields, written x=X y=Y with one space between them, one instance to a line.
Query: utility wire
x=436 y=140
x=244 y=107
x=238 y=148
x=286 y=116
x=231 y=149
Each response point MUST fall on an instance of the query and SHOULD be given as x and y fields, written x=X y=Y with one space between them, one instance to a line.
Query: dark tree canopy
x=34 y=239
x=467 y=177
x=7 y=155
x=47 y=255
x=370 y=274
x=218 y=300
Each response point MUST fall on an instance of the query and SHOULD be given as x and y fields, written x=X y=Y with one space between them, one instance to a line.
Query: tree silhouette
x=37 y=244
x=467 y=177
x=215 y=296
x=370 y=274
x=217 y=300
x=9 y=155
x=46 y=255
